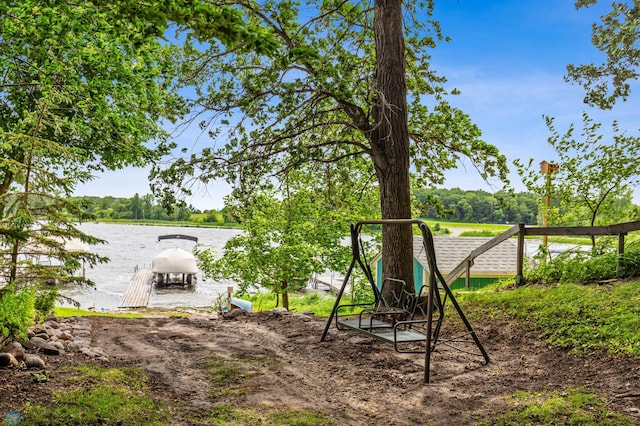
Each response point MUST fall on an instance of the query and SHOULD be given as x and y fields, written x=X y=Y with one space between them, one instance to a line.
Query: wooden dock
x=139 y=290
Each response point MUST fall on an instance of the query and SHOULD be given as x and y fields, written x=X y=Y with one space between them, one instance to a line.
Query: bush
x=586 y=267
x=631 y=260
x=16 y=311
x=45 y=301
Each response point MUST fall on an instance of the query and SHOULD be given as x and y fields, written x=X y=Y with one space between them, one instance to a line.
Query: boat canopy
x=174 y=261
x=177 y=237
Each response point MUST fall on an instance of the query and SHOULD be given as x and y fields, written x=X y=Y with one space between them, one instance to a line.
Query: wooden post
x=229 y=293
x=548 y=169
x=620 y=272
x=520 y=254
x=467 y=277
x=547 y=206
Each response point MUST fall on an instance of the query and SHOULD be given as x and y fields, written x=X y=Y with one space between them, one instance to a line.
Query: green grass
x=480 y=233
x=318 y=303
x=231 y=378
x=106 y=396
x=74 y=312
x=580 y=318
x=228 y=414
x=488 y=227
x=570 y=407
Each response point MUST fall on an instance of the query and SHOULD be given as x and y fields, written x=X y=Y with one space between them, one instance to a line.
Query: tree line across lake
x=454 y=205
x=148 y=208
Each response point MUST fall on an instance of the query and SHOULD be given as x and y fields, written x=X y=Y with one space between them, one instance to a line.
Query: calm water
x=135 y=245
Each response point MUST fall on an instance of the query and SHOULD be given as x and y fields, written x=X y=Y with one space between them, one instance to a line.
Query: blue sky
x=508 y=57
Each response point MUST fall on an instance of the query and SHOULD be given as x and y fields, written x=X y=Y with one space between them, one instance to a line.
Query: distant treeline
x=147 y=208
x=477 y=206
x=454 y=205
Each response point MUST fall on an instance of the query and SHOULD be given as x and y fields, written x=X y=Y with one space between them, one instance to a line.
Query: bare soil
x=353 y=379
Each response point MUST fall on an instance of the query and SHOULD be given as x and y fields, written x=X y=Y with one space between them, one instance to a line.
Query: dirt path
x=352 y=379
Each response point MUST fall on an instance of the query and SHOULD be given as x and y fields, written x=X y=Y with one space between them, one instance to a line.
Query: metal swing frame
x=434 y=299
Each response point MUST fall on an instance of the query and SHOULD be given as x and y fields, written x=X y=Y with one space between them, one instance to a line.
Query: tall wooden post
x=548 y=169
x=620 y=272
x=520 y=261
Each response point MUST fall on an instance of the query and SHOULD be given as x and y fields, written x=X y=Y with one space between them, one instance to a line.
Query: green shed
x=497 y=263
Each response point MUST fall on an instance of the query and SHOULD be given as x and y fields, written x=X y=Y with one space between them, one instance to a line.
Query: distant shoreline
x=186 y=223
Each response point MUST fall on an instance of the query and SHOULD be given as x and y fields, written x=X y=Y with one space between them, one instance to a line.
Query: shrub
x=574 y=266
x=16 y=310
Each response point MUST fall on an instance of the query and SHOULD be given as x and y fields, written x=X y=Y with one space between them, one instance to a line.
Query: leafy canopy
x=618 y=37
x=86 y=87
x=314 y=99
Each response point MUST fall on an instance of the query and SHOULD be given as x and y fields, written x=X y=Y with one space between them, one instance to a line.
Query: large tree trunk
x=390 y=140
x=285 y=295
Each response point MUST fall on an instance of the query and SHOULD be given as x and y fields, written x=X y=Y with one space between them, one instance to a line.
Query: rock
x=46 y=347
x=77 y=346
x=95 y=352
x=280 y=311
x=58 y=345
x=357 y=340
x=84 y=342
x=54 y=332
x=38 y=341
x=15 y=349
x=34 y=361
x=51 y=350
x=65 y=335
x=98 y=351
x=82 y=333
x=302 y=317
x=8 y=360
x=52 y=324
x=42 y=335
x=82 y=325
x=38 y=329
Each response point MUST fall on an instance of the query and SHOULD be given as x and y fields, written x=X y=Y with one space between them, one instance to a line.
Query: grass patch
x=318 y=303
x=106 y=396
x=268 y=360
x=602 y=318
x=75 y=312
x=227 y=376
x=224 y=414
x=291 y=417
x=480 y=233
x=132 y=378
x=493 y=227
x=571 y=407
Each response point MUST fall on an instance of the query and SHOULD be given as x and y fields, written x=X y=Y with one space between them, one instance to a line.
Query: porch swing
x=411 y=321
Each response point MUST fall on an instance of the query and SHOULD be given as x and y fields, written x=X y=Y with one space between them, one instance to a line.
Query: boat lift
x=175 y=265
x=396 y=321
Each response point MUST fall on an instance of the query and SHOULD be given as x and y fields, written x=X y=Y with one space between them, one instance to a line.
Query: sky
x=508 y=58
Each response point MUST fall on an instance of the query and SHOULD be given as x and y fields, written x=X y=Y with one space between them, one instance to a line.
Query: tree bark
x=285 y=295
x=390 y=140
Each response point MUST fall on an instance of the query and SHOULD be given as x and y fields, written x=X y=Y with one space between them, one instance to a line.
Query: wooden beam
x=621 y=228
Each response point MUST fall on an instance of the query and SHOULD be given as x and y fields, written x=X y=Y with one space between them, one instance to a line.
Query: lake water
x=129 y=246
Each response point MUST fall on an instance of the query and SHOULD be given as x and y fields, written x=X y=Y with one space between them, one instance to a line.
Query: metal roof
x=451 y=251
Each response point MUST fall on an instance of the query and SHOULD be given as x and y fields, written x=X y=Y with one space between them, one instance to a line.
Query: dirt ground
x=353 y=379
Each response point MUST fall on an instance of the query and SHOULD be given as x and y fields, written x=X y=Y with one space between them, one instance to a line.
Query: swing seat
x=399 y=319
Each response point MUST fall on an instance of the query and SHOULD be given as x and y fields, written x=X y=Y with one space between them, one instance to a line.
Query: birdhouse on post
x=548 y=168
